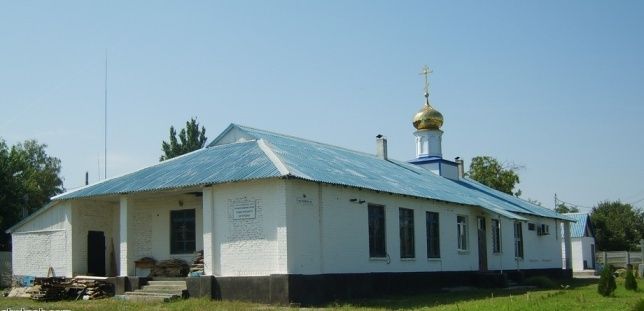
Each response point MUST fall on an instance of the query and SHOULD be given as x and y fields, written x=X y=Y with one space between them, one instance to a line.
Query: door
x=592 y=255
x=482 y=243
x=96 y=253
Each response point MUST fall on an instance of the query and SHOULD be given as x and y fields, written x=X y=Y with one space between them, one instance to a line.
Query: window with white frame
x=518 y=240
x=496 y=236
x=461 y=232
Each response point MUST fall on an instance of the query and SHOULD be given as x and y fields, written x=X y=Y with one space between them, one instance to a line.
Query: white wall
x=150 y=231
x=45 y=241
x=245 y=244
x=329 y=234
x=581 y=250
x=88 y=216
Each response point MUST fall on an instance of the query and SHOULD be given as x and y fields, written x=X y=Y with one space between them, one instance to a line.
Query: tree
x=190 y=139
x=562 y=208
x=488 y=171
x=630 y=282
x=606 y=285
x=618 y=226
x=28 y=178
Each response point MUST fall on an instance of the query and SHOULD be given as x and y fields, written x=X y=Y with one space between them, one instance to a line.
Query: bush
x=629 y=280
x=639 y=306
x=540 y=282
x=606 y=284
x=620 y=273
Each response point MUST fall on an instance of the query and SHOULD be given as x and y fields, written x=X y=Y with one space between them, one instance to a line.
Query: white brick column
x=126 y=262
x=568 y=245
x=207 y=207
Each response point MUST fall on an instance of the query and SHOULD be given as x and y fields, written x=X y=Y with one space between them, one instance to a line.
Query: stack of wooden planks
x=171 y=268
x=197 y=265
x=56 y=288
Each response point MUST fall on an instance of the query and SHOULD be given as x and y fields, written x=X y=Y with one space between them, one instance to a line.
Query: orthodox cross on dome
x=426 y=72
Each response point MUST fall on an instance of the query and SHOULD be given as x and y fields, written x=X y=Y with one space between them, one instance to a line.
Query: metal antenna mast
x=105 y=138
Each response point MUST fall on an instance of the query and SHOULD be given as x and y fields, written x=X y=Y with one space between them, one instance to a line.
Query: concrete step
x=162 y=288
x=130 y=296
x=167 y=283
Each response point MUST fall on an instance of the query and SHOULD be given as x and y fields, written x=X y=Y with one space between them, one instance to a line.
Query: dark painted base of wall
x=324 y=288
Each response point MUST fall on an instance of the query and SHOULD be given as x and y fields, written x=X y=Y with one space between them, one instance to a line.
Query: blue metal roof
x=264 y=154
x=335 y=165
x=578 y=229
x=220 y=164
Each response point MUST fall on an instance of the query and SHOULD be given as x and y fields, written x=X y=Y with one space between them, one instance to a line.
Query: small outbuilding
x=583 y=242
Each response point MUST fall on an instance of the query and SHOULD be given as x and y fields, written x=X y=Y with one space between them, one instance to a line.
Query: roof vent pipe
x=381 y=147
x=460 y=164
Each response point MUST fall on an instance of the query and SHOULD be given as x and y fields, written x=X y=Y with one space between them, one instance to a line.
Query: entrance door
x=96 y=253
x=482 y=243
x=592 y=255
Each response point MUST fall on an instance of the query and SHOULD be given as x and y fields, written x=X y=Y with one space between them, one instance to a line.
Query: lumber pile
x=196 y=268
x=57 y=288
x=171 y=268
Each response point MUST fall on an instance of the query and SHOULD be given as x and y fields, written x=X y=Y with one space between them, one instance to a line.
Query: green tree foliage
x=190 y=139
x=606 y=285
x=28 y=178
x=629 y=280
x=618 y=226
x=562 y=208
x=490 y=172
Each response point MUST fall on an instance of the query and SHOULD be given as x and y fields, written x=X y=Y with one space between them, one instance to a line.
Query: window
x=543 y=229
x=377 y=231
x=496 y=236
x=518 y=240
x=182 y=231
x=406 y=221
x=461 y=234
x=433 y=235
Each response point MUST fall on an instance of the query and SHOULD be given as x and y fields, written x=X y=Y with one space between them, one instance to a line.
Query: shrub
x=629 y=281
x=606 y=284
x=620 y=273
x=540 y=282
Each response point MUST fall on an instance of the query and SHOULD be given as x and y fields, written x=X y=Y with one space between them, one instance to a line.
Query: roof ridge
x=304 y=140
x=279 y=164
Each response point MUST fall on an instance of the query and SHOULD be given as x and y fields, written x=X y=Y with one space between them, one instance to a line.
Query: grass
x=580 y=295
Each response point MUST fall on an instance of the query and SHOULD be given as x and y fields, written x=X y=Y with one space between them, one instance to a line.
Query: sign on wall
x=246 y=219
x=244 y=208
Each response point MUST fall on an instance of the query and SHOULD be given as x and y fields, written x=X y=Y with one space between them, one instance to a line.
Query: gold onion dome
x=428 y=118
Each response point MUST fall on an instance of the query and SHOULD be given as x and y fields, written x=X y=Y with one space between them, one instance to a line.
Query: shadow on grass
x=433 y=299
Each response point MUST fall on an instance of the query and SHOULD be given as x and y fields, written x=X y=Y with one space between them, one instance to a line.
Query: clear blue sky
x=554 y=86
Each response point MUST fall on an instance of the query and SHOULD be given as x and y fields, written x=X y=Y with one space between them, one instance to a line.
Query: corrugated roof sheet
x=331 y=164
x=225 y=163
x=268 y=153
x=578 y=229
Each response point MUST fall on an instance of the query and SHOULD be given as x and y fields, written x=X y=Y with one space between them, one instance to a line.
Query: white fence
x=5 y=269
x=619 y=259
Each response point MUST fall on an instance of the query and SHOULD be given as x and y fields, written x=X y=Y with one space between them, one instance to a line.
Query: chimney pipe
x=381 y=147
x=86 y=178
x=460 y=164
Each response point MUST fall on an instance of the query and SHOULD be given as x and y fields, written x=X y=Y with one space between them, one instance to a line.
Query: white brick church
x=284 y=219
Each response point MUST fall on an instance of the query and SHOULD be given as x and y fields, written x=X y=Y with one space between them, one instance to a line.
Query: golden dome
x=428 y=118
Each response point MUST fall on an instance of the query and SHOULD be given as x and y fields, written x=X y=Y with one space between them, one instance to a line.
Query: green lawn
x=581 y=295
